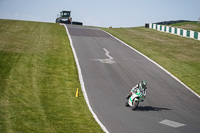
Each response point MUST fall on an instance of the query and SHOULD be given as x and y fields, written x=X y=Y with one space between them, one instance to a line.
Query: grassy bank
x=38 y=81
x=178 y=55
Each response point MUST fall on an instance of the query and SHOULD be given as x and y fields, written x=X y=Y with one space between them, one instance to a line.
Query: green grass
x=178 y=55
x=188 y=26
x=38 y=81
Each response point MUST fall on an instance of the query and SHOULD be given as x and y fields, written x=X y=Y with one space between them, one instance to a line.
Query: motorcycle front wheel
x=135 y=104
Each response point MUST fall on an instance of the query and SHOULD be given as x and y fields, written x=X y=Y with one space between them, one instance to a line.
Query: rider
x=141 y=86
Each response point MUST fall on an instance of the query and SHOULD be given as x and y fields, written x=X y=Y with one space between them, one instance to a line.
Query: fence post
x=175 y=32
x=170 y=29
x=198 y=35
x=185 y=33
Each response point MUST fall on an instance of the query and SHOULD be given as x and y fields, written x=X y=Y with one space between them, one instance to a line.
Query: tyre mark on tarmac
x=110 y=59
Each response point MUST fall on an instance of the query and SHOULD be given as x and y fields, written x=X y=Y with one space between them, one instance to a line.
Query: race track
x=110 y=69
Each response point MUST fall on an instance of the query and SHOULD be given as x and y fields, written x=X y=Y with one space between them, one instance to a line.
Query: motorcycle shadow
x=150 y=108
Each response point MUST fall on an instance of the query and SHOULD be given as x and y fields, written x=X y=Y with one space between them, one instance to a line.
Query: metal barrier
x=173 y=30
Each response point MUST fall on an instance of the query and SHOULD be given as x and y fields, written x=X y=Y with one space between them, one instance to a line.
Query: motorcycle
x=134 y=99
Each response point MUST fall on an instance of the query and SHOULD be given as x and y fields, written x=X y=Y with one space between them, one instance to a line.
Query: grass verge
x=38 y=81
x=178 y=55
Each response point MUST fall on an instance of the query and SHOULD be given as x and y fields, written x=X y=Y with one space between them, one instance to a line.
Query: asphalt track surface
x=110 y=69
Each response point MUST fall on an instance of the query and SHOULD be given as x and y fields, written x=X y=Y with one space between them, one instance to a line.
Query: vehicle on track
x=137 y=94
x=134 y=100
x=65 y=17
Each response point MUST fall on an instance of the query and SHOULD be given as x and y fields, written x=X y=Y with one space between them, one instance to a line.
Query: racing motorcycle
x=134 y=99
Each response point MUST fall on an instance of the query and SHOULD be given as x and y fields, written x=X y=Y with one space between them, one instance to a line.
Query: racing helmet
x=144 y=84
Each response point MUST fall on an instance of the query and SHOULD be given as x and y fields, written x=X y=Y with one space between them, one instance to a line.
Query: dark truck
x=65 y=18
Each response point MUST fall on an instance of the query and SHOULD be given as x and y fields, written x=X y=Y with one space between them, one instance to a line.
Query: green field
x=188 y=26
x=178 y=55
x=38 y=81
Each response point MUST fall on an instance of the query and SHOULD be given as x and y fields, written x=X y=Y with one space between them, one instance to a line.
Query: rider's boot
x=128 y=96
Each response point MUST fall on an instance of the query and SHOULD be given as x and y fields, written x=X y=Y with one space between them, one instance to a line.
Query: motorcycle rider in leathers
x=143 y=89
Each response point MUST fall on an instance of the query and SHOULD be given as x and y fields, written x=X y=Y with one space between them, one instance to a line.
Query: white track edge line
x=82 y=83
x=154 y=63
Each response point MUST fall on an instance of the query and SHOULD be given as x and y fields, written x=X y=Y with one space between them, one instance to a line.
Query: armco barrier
x=176 y=31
